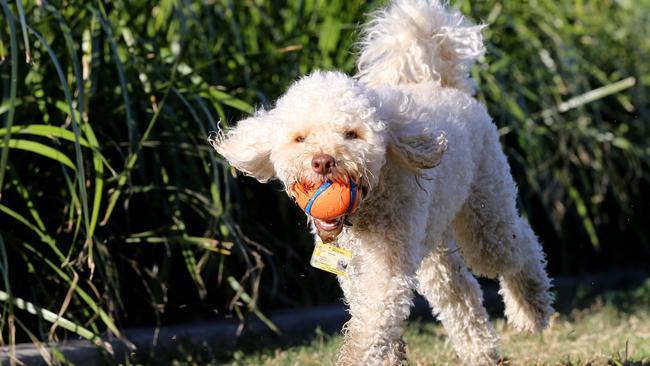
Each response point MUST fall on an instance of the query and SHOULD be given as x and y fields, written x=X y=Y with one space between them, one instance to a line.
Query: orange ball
x=327 y=201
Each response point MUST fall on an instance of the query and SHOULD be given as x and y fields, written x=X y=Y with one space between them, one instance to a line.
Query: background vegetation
x=114 y=211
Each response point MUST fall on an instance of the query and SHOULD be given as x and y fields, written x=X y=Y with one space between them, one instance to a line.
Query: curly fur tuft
x=417 y=41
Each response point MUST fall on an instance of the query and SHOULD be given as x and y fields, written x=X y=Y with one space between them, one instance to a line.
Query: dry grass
x=601 y=335
x=614 y=330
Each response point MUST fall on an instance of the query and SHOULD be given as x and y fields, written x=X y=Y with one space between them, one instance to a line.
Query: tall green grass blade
x=83 y=295
x=21 y=17
x=133 y=157
x=51 y=132
x=228 y=100
x=131 y=123
x=214 y=166
x=330 y=33
x=4 y=265
x=7 y=311
x=75 y=208
x=41 y=234
x=24 y=193
x=584 y=215
x=98 y=158
x=249 y=301
x=208 y=244
x=4 y=155
x=589 y=97
x=87 y=129
x=7 y=104
x=80 y=168
x=213 y=161
x=54 y=133
x=3 y=51
x=98 y=166
x=192 y=269
x=54 y=318
x=41 y=149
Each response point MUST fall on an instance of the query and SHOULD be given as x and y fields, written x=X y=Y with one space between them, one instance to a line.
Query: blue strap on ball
x=320 y=190
x=353 y=192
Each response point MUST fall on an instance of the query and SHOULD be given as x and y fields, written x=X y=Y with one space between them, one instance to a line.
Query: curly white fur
x=415 y=41
x=439 y=198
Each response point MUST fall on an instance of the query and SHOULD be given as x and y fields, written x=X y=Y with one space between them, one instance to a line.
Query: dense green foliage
x=567 y=82
x=114 y=211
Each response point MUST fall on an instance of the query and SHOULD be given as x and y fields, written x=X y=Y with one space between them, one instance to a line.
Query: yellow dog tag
x=330 y=258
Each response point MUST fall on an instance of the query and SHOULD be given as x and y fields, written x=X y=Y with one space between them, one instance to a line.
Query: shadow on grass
x=263 y=345
x=573 y=296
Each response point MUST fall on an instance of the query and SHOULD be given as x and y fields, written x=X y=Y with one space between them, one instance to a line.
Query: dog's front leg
x=378 y=291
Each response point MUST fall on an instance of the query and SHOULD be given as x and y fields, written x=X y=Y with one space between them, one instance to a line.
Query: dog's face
x=327 y=126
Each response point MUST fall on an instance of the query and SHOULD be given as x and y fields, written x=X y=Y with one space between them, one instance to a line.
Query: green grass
x=613 y=330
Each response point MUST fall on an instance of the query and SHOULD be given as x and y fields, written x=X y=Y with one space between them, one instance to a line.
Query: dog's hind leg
x=456 y=298
x=526 y=292
x=496 y=241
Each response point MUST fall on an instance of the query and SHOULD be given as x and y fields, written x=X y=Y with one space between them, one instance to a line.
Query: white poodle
x=437 y=196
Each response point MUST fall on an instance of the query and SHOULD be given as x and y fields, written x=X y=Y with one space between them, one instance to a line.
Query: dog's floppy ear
x=247 y=146
x=415 y=151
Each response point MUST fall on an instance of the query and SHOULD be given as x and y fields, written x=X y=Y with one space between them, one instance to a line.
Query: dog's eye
x=299 y=139
x=351 y=135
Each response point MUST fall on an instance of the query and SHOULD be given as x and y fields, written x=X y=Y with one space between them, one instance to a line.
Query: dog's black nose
x=323 y=163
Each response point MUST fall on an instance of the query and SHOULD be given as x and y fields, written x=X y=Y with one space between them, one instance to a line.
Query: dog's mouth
x=329 y=230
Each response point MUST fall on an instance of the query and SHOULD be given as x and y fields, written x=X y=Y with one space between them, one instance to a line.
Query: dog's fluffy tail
x=415 y=41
